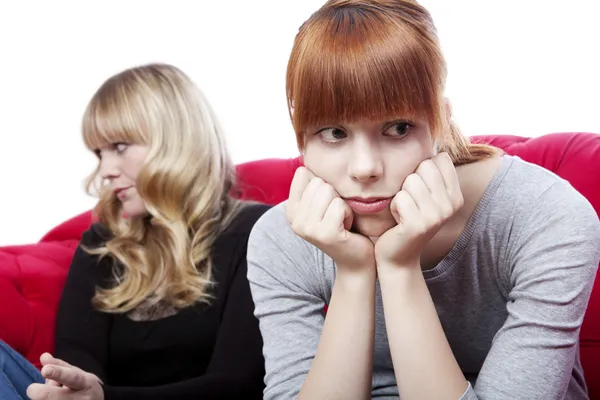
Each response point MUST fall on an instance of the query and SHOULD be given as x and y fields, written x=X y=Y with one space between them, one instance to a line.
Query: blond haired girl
x=156 y=304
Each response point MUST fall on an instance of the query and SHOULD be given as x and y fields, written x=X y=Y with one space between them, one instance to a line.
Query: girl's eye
x=120 y=147
x=399 y=129
x=332 y=134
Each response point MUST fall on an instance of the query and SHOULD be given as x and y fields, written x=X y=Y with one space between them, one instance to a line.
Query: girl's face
x=120 y=164
x=367 y=162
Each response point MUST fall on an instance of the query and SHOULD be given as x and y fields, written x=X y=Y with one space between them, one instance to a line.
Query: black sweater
x=202 y=352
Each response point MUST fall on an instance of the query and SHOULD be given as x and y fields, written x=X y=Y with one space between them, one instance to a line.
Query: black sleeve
x=236 y=369
x=82 y=333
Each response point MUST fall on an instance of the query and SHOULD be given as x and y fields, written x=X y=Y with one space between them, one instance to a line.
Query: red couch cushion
x=32 y=276
x=31 y=280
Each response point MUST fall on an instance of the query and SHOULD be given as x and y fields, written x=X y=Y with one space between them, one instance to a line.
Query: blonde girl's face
x=120 y=165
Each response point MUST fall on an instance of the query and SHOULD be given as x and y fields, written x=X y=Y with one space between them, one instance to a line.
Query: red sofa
x=32 y=276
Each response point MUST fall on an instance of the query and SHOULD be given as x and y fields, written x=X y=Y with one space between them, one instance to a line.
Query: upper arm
x=82 y=332
x=553 y=260
x=283 y=278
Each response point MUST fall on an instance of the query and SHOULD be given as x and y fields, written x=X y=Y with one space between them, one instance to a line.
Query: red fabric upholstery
x=32 y=276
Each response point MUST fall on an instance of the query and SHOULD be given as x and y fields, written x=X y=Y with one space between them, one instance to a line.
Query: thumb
x=338 y=214
x=38 y=391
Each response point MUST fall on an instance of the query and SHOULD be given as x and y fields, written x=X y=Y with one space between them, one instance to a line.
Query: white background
x=525 y=67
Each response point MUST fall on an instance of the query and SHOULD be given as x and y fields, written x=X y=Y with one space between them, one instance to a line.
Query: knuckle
x=323 y=238
x=433 y=220
x=399 y=195
x=446 y=210
x=57 y=373
x=403 y=196
x=297 y=227
x=337 y=202
x=412 y=178
x=446 y=156
x=458 y=201
x=310 y=233
x=82 y=378
x=289 y=212
x=316 y=181
x=301 y=173
x=330 y=190
x=419 y=227
x=409 y=181
x=72 y=376
x=425 y=165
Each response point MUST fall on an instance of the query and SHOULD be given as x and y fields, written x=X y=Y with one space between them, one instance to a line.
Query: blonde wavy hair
x=185 y=183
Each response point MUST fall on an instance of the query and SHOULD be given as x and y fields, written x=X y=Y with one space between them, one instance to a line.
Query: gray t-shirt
x=510 y=295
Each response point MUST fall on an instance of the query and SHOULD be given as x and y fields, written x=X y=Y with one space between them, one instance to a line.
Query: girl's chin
x=373 y=226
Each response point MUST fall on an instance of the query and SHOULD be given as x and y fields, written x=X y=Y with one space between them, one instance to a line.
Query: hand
x=429 y=197
x=320 y=216
x=65 y=382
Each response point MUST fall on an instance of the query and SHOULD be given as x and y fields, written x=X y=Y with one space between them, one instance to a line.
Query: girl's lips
x=121 y=193
x=369 y=206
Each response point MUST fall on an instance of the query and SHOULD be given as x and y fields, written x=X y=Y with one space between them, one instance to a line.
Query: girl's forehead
x=96 y=139
x=377 y=121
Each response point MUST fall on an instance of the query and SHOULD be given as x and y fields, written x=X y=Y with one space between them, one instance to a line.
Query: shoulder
x=275 y=252
x=234 y=238
x=96 y=235
x=273 y=220
x=273 y=230
x=91 y=267
x=545 y=217
x=531 y=192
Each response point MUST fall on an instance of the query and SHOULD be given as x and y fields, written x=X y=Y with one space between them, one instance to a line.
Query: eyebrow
x=399 y=120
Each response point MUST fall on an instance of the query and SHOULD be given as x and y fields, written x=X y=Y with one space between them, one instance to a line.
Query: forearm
x=424 y=364
x=344 y=360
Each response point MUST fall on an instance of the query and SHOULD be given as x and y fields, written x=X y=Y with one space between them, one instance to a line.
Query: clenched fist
x=320 y=216
x=428 y=198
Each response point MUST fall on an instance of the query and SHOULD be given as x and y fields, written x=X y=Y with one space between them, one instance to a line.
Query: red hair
x=376 y=60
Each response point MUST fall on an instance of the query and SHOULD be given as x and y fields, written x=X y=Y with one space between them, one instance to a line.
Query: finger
x=403 y=207
x=302 y=177
x=70 y=377
x=321 y=199
x=40 y=391
x=448 y=171
x=52 y=382
x=416 y=188
x=433 y=179
x=48 y=358
x=338 y=214
x=441 y=195
x=309 y=208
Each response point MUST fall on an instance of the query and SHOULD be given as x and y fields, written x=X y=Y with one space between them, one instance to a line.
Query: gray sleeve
x=551 y=262
x=289 y=295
